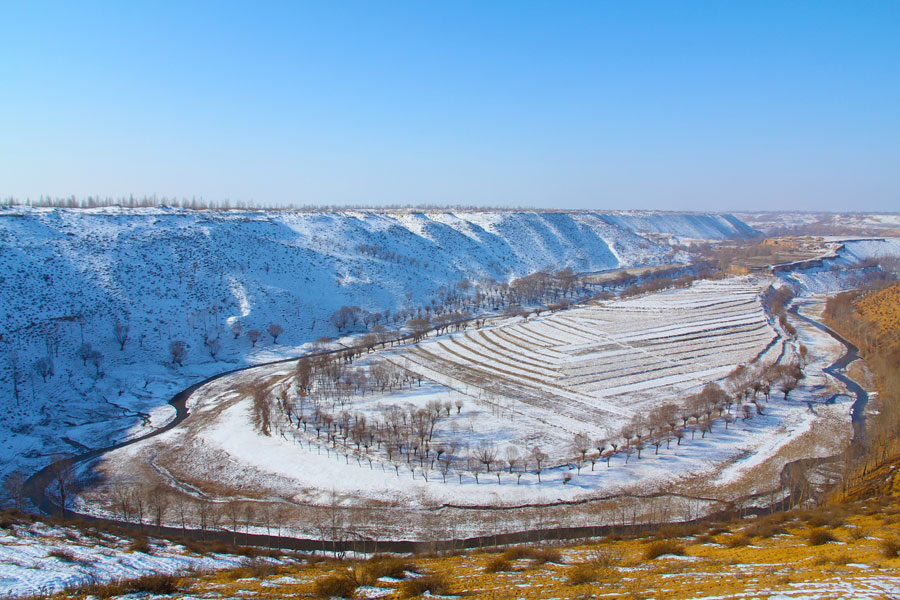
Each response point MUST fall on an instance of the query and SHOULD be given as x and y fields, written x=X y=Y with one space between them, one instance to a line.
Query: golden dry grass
x=774 y=554
x=883 y=309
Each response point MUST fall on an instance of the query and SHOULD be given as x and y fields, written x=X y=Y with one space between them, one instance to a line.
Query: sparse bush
x=540 y=555
x=386 y=566
x=764 y=530
x=64 y=555
x=737 y=541
x=153 y=583
x=433 y=583
x=831 y=518
x=842 y=558
x=663 y=547
x=141 y=544
x=342 y=585
x=819 y=536
x=890 y=548
x=581 y=574
x=254 y=570
x=498 y=564
x=604 y=557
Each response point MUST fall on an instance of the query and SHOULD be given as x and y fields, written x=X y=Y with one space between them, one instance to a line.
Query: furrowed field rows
x=726 y=338
x=634 y=364
x=593 y=361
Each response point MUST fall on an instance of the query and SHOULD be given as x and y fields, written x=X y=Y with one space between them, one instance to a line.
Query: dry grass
x=435 y=584
x=736 y=541
x=819 y=536
x=537 y=554
x=341 y=585
x=663 y=547
x=890 y=548
x=64 y=555
x=498 y=564
x=386 y=566
x=883 y=309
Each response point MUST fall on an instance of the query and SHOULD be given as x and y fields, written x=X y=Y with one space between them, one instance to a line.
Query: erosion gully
x=37 y=485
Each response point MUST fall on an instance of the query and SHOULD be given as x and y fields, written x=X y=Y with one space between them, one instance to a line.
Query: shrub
x=764 y=530
x=154 y=583
x=581 y=574
x=386 y=566
x=498 y=564
x=432 y=583
x=255 y=570
x=141 y=544
x=64 y=555
x=819 y=536
x=662 y=547
x=541 y=555
x=736 y=541
x=342 y=585
x=842 y=558
x=604 y=557
x=831 y=518
x=890 y=548
x=157 y=583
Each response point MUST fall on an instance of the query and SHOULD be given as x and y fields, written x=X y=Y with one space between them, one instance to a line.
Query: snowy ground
x=37 y=558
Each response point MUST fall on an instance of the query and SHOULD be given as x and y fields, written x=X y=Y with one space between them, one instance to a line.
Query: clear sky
x=719 y=105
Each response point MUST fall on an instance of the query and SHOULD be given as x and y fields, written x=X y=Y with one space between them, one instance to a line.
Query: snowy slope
x=174 y=274
x=847 y=269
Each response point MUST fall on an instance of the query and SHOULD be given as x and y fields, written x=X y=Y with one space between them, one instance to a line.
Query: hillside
x=883 y=310
x=68 y=276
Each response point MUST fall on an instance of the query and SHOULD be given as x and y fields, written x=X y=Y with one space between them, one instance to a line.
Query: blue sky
x=668 y=105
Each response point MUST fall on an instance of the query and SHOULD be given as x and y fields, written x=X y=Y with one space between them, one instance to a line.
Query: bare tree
x=275 y=330
x=14 y=486
x=486 y=454
x=178 y=352
x=253 y=335
x=236 y=328
x=213 y=346
x=42 y=367
x=120 y=331
x=14 y=367
x=96 y=360
x=581 y=443
x=512 y=458
x=64 y=478
x=84 y=353
x=538 y=456
x=158 y=504
x=234 y=509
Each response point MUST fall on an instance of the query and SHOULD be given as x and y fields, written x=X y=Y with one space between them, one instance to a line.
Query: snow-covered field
x=37 y=558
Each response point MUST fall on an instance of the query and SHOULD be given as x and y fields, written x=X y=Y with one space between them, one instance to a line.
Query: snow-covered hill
x=67 y=276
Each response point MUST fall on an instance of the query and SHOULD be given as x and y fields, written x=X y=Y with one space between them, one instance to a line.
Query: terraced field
x=599 y=365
